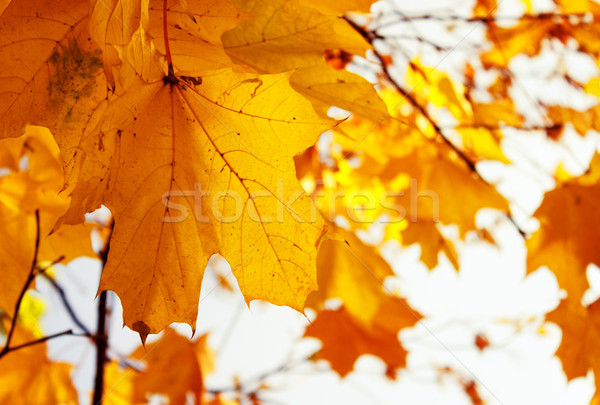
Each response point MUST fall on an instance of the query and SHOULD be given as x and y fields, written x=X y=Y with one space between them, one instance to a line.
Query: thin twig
x=259 y=379
x=30 y=278
x=401 y=17
x=370 y=37
x=44 y=339
x=67 y=305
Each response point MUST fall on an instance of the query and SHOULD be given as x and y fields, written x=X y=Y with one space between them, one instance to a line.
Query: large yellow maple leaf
x=189 y=166
x=223 y=151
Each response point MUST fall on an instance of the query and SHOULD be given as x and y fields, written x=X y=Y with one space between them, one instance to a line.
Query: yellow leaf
x=289 y=36
x=582 y=121
x=30 y=311
x=195 y=28
x=496 y=113
x=114 y=24
x=483 y=143
x=210 y=164
x=325 y=85
x=438 y=89
x=353 y=272
x=339 y=8
x=443 y=189
x=524 y=37
x=432 y=242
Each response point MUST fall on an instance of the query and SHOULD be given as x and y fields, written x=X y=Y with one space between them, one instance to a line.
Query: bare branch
x=67 y=305
x=43 y=339
x=101 y=333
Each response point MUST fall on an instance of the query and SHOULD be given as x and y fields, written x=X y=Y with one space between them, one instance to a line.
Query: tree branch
x=101 y=340
x=40 y=340
x=43 y=339
x=370 y=37
x=488 y=18
x=259 y=379
x=101 y=333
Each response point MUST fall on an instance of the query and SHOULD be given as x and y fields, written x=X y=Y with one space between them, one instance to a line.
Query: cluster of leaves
x=195 y=123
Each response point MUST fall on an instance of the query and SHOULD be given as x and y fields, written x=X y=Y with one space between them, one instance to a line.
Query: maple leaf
x=154 y=372
x=427 y=234
x=353 y=272
x=441 y=183
x=345 y=339
x=194 y=27
x=159 y=137
x=238 y=130
x=287 y=36
x=567 y=247
x=325 y=86
x=409 y=176
x=578 y=350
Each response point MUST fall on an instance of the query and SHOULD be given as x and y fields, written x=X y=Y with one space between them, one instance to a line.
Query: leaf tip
x=143 y=329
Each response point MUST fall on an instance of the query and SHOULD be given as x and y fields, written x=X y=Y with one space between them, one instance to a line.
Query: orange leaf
x=345 y=339
x=568 y=236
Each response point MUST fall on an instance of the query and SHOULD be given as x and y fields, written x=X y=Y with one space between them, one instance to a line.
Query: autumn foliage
x=297 y=140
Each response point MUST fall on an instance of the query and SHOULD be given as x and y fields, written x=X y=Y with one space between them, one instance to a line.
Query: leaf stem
x=171 y=73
